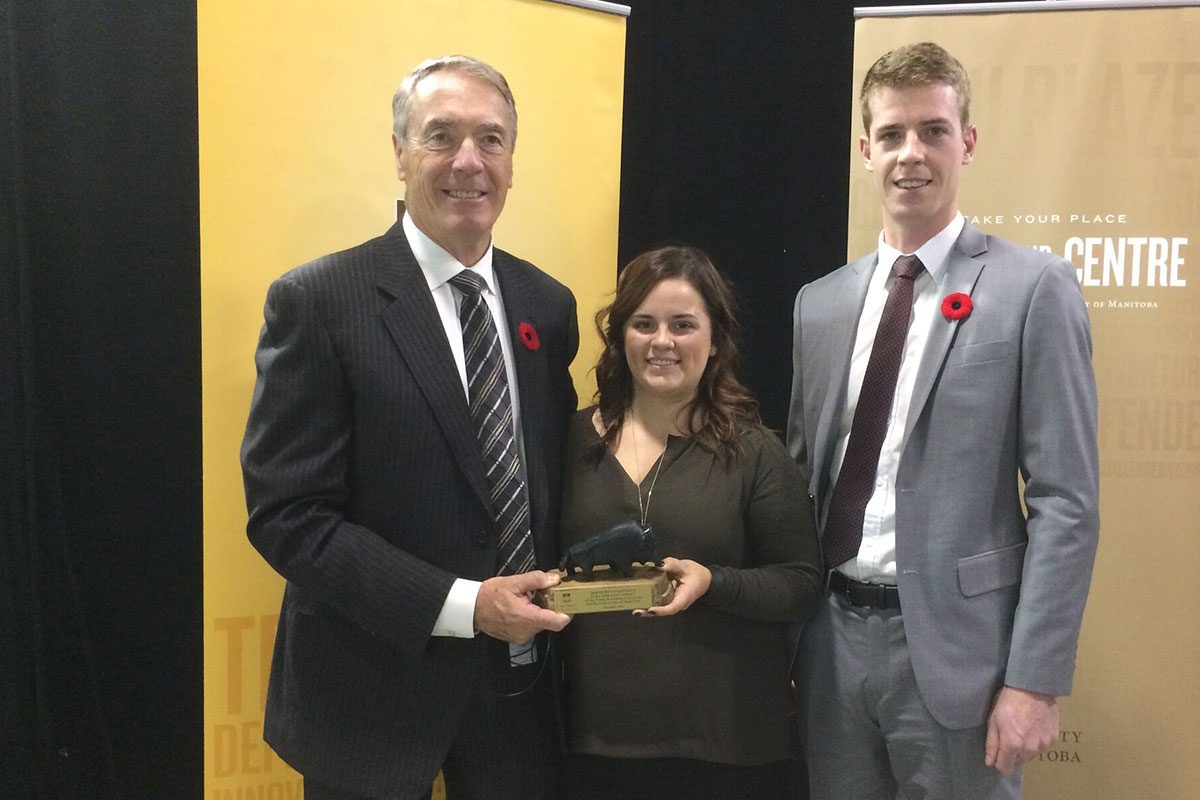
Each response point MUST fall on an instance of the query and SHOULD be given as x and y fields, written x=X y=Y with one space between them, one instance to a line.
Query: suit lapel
x=412 y=321
x=521 y=305
x=842 y=330
x=962 y=271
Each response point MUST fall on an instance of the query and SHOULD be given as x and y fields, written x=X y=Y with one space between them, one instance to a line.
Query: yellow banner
x=296 y=161
x=1087 y=148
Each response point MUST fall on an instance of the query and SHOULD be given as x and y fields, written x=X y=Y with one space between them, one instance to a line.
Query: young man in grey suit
x=934 y=379
x=402 y=466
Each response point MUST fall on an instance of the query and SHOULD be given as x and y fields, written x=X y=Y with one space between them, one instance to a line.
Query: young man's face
x=916 y=148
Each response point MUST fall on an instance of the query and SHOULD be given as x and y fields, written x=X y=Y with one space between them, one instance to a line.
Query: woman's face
x=668 y=341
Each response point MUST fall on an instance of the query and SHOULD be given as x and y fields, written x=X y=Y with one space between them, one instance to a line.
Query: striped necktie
x=492 y=413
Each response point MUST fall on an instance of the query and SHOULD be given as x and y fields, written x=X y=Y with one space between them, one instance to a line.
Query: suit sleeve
x=797 y=442
x=295 y=464
x=1060 y=466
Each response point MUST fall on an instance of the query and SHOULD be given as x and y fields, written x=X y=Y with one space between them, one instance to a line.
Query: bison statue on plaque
x=620 y=549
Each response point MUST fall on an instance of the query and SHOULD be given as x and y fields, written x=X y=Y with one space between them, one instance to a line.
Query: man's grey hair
x=402 y=100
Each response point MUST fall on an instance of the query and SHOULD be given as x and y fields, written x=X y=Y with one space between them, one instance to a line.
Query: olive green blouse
x=712 y=682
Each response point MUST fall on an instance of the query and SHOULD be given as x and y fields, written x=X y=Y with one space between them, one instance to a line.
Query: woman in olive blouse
x=689 y=699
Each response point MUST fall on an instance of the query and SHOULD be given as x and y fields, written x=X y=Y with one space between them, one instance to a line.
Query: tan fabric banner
x=295 y=162
x=1087 y=148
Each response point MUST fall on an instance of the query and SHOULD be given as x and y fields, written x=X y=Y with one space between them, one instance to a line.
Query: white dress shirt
x=438 y=266
x=876 y=560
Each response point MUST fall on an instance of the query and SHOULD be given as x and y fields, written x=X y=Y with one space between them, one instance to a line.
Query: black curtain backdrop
x=736 y=130
x=735 y=134
x=101 y=551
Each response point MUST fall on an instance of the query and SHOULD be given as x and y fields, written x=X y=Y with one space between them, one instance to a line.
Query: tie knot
x=471 y=283
x=907 y=267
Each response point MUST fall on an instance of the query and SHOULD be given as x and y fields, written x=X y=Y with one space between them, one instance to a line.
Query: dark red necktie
x=856 y=479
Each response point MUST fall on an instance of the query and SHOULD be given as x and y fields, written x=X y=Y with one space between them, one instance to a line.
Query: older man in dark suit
x=939 y=382
x=402 y=463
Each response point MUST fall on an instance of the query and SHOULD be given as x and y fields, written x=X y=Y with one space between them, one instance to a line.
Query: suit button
x=482 y=538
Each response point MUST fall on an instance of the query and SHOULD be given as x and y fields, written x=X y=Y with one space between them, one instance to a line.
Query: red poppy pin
x=956 y=306
x=528 y=336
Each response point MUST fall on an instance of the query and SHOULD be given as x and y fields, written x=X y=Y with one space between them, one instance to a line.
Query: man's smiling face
x=916 y=148
x=456 y=161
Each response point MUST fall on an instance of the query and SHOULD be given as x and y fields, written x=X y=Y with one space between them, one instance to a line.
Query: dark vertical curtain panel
x=18 y=728
x=734 y=140
x=99 y=402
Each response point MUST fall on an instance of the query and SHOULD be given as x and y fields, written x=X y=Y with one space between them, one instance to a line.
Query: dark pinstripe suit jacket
x=366 y=491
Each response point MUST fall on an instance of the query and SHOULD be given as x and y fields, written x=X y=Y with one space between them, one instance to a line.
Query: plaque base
x=649 y=586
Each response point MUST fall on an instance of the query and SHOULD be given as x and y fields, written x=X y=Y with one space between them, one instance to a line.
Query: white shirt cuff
x=458 y=612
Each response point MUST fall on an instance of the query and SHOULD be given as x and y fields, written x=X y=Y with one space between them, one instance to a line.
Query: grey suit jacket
x=367 y=492
x=991 y=594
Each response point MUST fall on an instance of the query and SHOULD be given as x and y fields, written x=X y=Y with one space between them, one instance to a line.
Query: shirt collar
x=933 y=254
x=437 y=265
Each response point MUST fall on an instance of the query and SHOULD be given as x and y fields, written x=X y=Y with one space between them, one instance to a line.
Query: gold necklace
x=637 y=465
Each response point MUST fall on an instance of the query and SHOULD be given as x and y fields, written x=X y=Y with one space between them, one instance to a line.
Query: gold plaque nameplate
x=648 y=587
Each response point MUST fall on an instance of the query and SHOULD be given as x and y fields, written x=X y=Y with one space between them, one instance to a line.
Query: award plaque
x=611 y=571
x=649 y=586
